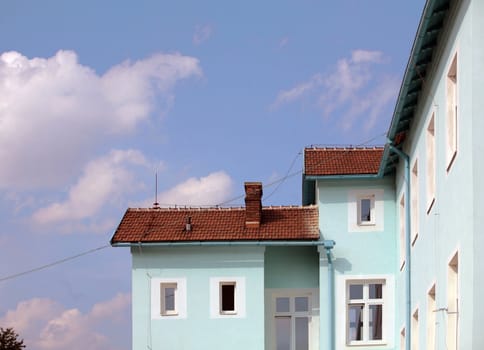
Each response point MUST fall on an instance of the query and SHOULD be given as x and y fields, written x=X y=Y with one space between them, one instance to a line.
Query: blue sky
x=96 y=97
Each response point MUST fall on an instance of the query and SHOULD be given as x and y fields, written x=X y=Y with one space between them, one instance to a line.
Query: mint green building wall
x=356 y=254
x=291 y=267
x=198 y=330
x=454 y=222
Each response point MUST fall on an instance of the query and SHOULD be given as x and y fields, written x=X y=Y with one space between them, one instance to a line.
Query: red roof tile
x=216 y=224
x=342 y=161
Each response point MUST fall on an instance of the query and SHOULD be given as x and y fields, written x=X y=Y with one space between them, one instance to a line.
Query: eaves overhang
x=417 y=72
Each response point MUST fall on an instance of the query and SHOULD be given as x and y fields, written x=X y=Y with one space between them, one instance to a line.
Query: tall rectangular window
x=415 y=334
x=291 y=320
x=366 y=210
x=365 y=312
x=452 y=302
x=414 y=202
x=431 y=309
x=402 y=231
x=227 y=298
x=451 y=120
x=430 y=163
x=168 y=297
x=402 y=339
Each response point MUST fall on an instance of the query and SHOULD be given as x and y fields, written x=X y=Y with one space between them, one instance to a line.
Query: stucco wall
x=198 y=330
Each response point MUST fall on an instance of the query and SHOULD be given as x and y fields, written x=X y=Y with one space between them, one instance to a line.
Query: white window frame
x=453 y=308
x=366 y=302
x=431 y=162
x=403 y=241
x=215 y=287
x=293 y=314
x=388 y=314
x=163 y=290
x=431 y=318
x=452 y=112
x=414 y=201
x=157 y=298
x=415 y=330
x=376 y=224
x=371 y=198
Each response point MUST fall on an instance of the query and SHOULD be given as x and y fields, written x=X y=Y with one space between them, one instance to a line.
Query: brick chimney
x=253 y=204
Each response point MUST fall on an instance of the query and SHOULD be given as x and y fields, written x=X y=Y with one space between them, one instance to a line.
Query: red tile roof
x=342 y=161
x=216 y=224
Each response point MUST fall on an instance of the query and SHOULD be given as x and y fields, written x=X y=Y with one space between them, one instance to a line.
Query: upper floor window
x=168 y=300
x=366 y=210
x=415 y=202
x=227 y=297
x=402 y=230
x=430 y=153
x=451 y=120
x=365 y=305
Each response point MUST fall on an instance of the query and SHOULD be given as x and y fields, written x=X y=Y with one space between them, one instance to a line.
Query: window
x=452 y=302
x=366 y=210
x=414 y=203
x=415 y=330
x=430 y=163
x=402 y=232
x=292 y=322
x=364 y=312
x=451 y=113
x=227 y=298
x=402 y=339
x=431 y=309
x=168 y=293
x=168 y=298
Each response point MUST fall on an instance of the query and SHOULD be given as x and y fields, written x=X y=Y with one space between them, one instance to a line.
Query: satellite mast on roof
x=156 y=205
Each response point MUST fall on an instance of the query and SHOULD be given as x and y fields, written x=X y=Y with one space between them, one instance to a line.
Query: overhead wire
x=93 y=250
x=52 y=264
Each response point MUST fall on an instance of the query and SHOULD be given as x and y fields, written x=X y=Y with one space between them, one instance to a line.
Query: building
x=406 y=219
x=238 y=278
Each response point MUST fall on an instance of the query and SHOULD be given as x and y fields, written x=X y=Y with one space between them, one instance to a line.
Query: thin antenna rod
x=156 y=204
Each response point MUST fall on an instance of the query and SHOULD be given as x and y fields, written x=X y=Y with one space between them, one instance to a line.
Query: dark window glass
x=228 y=297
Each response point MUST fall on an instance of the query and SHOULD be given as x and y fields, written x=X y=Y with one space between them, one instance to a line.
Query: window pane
x=376 y=322
x=301 y=303
x=355 y=316
x=228 y=297
x=375 y=291
x=169 y=299
x=365 y=204
x=282 y=304
x=356 y=291
x=302 y=333
x=283 y=333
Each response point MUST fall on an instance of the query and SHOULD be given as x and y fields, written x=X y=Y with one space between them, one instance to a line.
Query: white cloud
x=202 y=34
x=54 y=112
x=212 y=189
x=103 y=180
x=354 y=89
x=46 y=324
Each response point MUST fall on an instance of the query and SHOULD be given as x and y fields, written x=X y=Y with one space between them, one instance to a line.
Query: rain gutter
x=324 y=243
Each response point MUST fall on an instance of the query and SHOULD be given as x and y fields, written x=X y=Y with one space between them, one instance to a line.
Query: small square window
x=227 y=297
x=168 y=292
x=366 y=210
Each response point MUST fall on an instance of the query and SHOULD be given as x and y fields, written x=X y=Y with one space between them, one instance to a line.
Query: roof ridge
x=346 y=148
